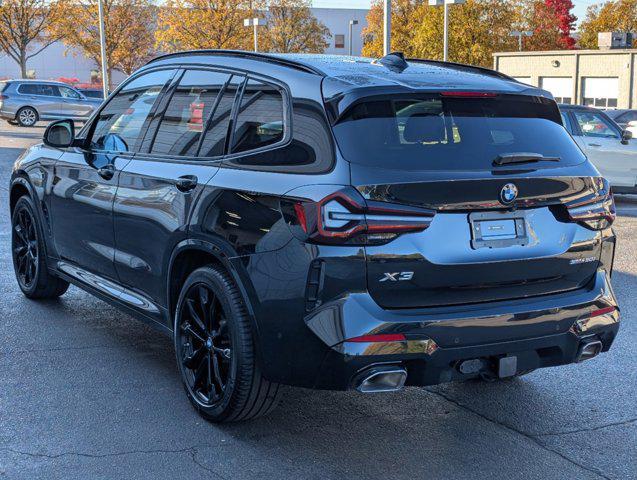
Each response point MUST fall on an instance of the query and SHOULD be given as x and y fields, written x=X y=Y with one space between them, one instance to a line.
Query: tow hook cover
x=507 y=366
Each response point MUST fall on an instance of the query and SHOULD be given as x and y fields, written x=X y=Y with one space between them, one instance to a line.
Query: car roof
x=569 y=106
x=617 y=112
x=32 y=80
x=354 y=72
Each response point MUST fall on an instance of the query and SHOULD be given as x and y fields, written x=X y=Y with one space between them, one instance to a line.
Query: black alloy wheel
x=29 y=254
x=216 y=352
x=205 y=344
x=25 y=247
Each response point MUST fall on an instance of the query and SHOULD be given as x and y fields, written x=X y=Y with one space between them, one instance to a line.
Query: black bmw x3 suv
x=325 y=222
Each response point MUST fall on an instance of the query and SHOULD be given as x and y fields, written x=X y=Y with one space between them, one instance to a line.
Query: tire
x=29 y=254
x=27 y=117
x=215 y=350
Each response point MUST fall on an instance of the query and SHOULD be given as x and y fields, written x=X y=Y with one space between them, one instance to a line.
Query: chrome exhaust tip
x=588 y=349
x=381 y=379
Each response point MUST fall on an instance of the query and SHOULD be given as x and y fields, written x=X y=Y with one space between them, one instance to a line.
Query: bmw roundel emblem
x=508 y=193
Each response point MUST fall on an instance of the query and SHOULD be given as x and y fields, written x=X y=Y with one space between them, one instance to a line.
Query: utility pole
x=517 y=33
x=445 y=28
x=387 y=27
x=351 y=24
x=105 y=80
x=254 y=23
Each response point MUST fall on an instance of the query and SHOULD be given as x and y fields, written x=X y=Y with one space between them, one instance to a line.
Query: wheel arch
x=190 y=254
x=20 y=186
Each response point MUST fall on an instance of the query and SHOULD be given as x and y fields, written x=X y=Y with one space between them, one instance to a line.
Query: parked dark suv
x=325 y=222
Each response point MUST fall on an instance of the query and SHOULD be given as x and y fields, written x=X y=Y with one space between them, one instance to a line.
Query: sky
x=579 y=10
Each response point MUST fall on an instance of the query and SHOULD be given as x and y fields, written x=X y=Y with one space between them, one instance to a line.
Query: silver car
x=25 y=102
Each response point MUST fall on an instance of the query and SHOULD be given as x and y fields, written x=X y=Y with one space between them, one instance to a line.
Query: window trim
x=287 y=122
x=168 y=96
x=89 y=127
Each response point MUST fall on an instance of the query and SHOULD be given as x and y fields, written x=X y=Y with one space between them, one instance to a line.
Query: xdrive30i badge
x=508 y=193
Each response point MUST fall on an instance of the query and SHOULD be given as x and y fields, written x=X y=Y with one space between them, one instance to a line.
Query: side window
x=213 y=144
x=28 y=89
x=48 y=90
x=594 y=125
x=260 y=117
x=188 y=111
x=120 y=122
x=69 y=93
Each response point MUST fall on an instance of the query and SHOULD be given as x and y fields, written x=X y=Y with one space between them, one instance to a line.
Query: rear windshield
x=3 y=85
x=434 y=132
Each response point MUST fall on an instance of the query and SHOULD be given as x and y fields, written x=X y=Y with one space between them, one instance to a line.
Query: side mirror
x=60 y=134
x=626 y=135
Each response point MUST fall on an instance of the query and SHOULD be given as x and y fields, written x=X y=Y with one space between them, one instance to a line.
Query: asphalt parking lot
x=88 y=392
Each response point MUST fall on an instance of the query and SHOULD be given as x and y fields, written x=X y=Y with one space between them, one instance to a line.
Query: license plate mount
x=498 y=229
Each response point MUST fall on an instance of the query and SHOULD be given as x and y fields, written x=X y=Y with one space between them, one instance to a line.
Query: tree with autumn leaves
x=617 y=16
x=25 y=29
x=198 y=24
x=128 y=27
x=477 y=28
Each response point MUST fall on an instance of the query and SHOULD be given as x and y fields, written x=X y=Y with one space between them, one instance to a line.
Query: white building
x=55 y=61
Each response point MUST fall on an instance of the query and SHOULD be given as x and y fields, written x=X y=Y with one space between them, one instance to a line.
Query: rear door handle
x=594 y=144
x=186 y=183
x=106 y=172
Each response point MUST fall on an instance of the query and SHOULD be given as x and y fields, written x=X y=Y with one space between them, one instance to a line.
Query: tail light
x=345 y=217
x=596 y=213
x=3 y=97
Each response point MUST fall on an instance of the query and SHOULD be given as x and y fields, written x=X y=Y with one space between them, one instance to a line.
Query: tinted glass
x=594 y=125
x=260 y=117
x=3 y=85
x=446 y=133
x=28 y=89
x=69 y=93
x=39 y=89
x=214 y=140
x=188 y=111
x=120 y=122
x=93 y=93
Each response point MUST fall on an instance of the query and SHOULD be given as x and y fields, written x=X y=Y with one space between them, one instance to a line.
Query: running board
x=110 y=289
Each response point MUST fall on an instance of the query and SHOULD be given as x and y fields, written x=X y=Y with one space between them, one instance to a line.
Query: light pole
x=351 y=24
x=445 y=32
x=517 y=33
x=105 y=82
x=254 y=23
x=386 y=27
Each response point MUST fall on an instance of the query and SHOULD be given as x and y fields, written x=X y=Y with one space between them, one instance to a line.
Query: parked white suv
x=612 y=150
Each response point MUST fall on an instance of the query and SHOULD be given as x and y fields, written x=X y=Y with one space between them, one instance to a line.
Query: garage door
x=600 y=92
x=560 y=87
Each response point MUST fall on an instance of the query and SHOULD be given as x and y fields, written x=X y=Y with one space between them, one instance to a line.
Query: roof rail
x=243 y=54
x=464 y=66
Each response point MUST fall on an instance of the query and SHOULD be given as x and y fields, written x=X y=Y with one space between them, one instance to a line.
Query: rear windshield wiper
x=523 y=157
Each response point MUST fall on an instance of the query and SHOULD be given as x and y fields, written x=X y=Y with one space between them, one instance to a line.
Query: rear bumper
x=539 y=332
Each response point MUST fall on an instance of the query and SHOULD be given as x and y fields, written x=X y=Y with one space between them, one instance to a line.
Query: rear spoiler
x=338 y=101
